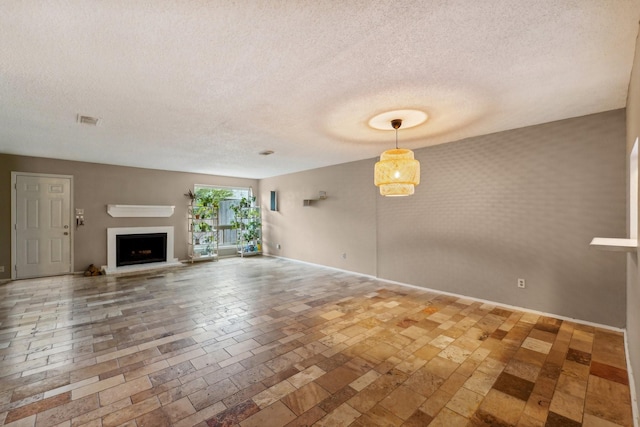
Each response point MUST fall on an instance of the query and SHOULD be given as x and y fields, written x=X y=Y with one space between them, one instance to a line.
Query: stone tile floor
x=269 y=342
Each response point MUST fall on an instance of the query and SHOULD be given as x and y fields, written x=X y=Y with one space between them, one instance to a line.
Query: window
x=224 y=197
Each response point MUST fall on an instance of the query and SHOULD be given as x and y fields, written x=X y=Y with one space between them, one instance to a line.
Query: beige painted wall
x=633 y=272
x=344 y=223
x=523 y=203
x=96 y=186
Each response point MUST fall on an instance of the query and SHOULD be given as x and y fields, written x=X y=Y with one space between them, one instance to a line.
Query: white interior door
x=42 y=243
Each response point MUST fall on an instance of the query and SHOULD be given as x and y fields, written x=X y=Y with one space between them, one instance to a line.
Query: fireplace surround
x=112 y=245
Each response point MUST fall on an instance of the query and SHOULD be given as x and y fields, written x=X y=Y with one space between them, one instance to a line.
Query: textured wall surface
x=344 y=223
x=518 y=204
x=96 y=186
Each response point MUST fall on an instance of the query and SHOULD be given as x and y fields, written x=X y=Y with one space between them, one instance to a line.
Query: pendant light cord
x=396 y=123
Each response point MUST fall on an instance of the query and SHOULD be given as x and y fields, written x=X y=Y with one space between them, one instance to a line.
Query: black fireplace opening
x=132 y=249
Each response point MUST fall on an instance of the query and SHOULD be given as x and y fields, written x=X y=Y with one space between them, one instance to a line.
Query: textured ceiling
x=204 y=86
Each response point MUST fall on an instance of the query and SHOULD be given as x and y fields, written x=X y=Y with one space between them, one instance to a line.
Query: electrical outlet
x=521 y=283
x=1 y=268
x=278 y=246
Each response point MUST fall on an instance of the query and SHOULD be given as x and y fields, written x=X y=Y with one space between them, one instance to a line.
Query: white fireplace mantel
x=148 y=211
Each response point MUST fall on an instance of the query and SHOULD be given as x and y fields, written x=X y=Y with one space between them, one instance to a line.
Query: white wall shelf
x=148 y=211
x=616 y=245
x=322 y=195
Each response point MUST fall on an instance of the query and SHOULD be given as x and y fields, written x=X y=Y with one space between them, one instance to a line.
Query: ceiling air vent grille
x=87 y=120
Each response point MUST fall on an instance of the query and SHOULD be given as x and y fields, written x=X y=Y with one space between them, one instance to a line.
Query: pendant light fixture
x=397 y=173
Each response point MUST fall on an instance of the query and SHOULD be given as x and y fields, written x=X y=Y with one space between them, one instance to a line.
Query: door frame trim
x=14 y=180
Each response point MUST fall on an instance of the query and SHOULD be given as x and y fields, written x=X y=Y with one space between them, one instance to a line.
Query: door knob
x=66 y=233
x=66 y=226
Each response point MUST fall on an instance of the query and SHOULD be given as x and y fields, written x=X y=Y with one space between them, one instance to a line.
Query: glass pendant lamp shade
x=397 y=173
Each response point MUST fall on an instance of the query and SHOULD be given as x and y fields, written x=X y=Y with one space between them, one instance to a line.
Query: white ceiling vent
x=87 y=120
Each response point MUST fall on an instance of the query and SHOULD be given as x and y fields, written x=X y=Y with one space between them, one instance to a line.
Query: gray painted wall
x=96 y=186
x=517 y=204
x=633 y=271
